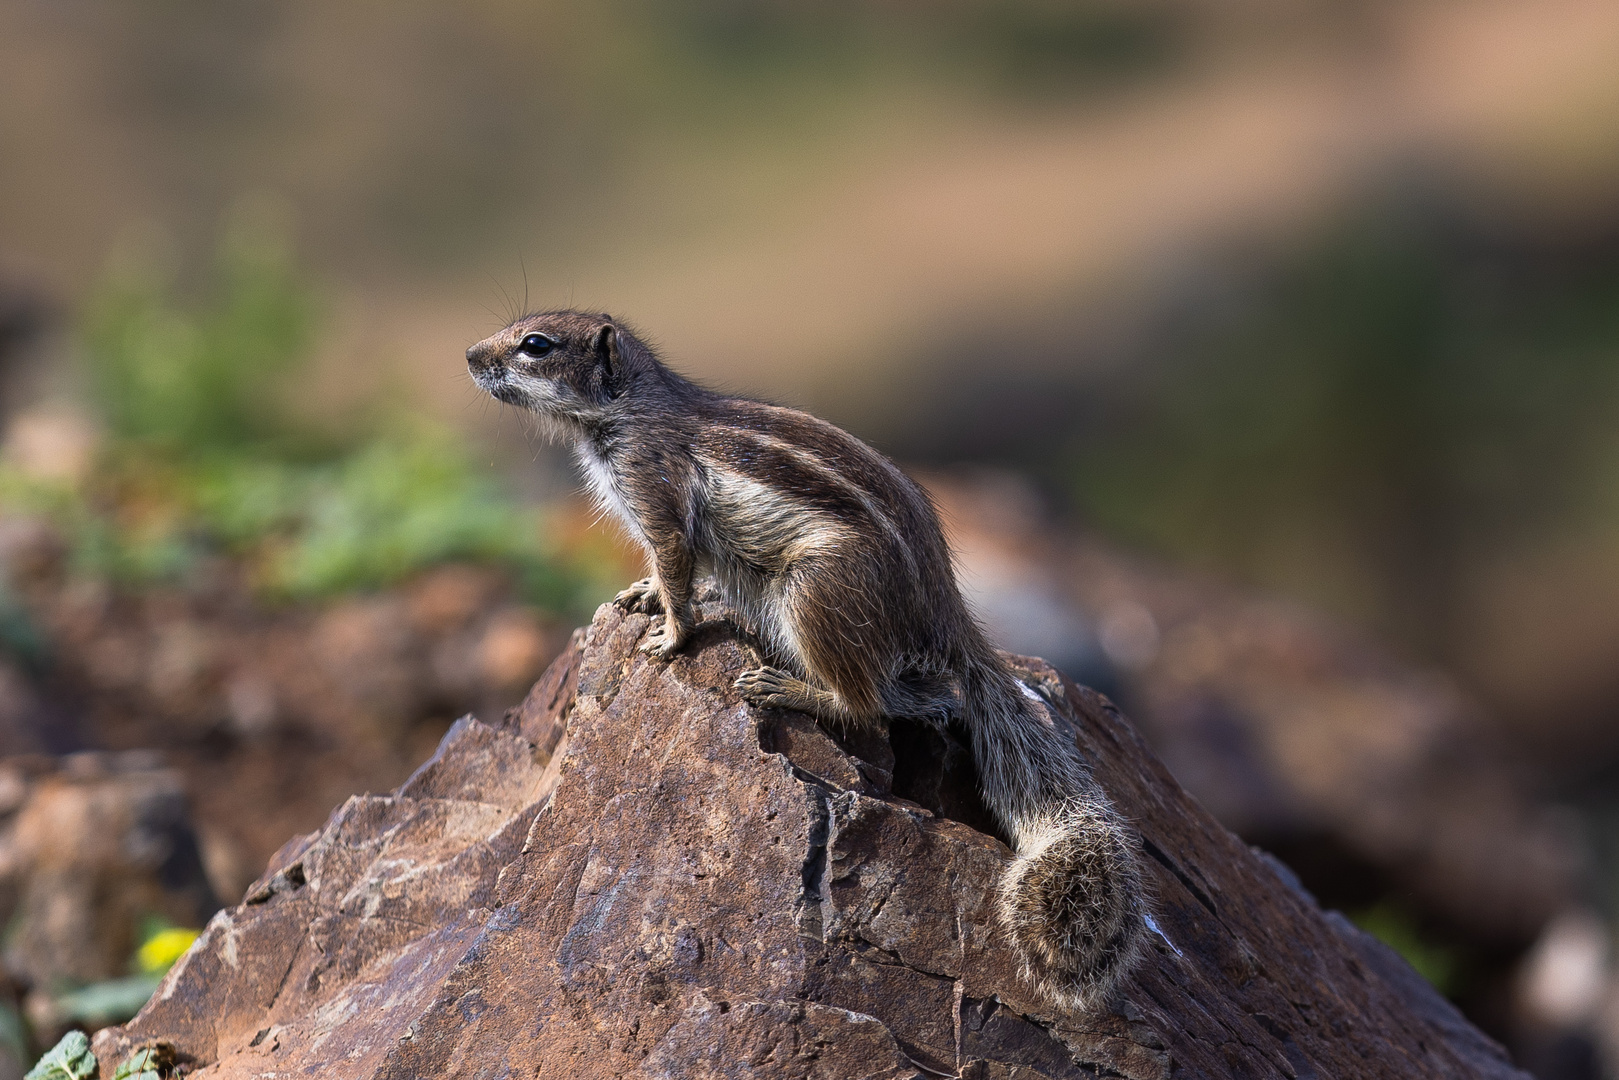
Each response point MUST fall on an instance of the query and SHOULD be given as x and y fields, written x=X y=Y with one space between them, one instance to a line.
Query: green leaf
x=147 y=1063
x=69 y=1059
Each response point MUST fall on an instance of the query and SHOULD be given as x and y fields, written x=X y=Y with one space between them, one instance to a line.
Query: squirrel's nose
x=472 y=353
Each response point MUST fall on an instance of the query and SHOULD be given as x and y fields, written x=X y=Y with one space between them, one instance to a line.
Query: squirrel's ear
x=607 y=355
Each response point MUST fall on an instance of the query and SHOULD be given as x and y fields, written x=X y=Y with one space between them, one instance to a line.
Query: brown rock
x=691 y=888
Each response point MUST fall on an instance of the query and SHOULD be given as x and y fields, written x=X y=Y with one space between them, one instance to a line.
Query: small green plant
x=69 y=1059
x=147 y=1063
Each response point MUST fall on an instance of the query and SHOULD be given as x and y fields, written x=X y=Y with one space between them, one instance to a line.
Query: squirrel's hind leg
x=820 y=637
x=934 y=700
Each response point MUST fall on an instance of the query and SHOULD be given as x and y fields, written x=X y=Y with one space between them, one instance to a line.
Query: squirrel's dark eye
x=536 y=345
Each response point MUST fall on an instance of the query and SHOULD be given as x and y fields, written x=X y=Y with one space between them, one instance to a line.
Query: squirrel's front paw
x=663 y=640
x=640 y=597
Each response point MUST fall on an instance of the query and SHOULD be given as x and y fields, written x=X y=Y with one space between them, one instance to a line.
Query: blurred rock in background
x=273 y=714
x=94 y=849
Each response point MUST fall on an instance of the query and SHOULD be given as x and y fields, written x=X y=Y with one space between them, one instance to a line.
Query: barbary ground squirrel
x=837 y=562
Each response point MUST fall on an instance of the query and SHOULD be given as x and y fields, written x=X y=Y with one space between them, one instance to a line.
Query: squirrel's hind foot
x=773 y=688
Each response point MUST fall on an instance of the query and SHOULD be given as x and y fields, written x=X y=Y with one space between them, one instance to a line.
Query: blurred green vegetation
x=202 y=453
x=208 y=379
x=1395 y=927
x=1405 y=397
x=1022 y=46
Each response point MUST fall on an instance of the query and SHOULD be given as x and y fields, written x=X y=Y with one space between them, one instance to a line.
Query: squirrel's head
x=564 y=365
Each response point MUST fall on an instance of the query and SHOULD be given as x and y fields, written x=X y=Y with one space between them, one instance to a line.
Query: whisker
x=508 y=297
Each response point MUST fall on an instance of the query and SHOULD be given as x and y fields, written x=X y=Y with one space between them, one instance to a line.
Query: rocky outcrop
x=634 y=874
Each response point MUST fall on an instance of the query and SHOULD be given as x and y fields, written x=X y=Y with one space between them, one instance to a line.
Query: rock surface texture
x=637 y=875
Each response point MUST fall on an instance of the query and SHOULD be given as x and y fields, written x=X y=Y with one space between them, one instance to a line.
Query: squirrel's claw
x=663 y=641
x=642 y=597
x=768 y=688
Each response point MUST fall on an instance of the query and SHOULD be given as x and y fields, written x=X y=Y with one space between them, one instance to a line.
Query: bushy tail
x=1072 y=901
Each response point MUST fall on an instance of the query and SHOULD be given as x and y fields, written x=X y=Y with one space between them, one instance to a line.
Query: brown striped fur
x=836 y=559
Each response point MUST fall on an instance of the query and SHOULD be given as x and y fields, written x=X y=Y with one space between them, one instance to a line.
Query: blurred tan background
x=1306 y=304
x=896 y=214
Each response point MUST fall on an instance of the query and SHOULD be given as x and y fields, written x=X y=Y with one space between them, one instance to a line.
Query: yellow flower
x=159 y=952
